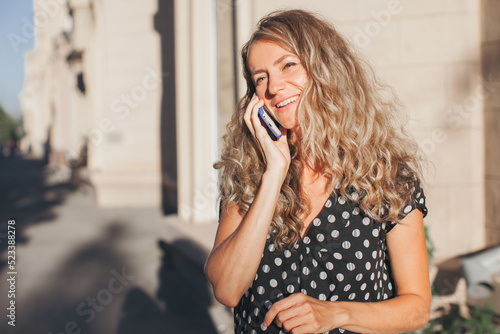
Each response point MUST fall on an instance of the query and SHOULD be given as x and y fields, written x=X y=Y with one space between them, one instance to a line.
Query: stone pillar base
x=127 y=189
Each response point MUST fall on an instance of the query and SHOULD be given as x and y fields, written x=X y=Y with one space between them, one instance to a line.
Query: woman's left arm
x=407 y=311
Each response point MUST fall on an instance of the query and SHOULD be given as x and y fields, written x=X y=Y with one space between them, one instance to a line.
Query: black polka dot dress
x=343 y=257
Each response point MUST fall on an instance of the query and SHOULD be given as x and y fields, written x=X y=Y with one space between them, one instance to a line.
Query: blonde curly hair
x=348 y=131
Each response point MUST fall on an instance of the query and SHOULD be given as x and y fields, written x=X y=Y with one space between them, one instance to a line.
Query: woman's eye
x=289 y=65
x=259 y=79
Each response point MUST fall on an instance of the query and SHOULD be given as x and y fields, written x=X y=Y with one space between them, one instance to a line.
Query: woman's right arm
x=240 y=240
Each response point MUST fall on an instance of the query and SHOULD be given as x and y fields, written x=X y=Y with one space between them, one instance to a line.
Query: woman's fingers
x=249 y=112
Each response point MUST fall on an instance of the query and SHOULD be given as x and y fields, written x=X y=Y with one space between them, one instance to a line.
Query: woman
x=308 y=221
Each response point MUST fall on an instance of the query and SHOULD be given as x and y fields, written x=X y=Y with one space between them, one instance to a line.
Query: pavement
x=83 y=269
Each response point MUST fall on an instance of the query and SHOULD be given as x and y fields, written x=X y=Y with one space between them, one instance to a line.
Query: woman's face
x=279 y=78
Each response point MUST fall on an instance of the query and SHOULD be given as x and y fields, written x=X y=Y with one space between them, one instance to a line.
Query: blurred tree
x=10 y=128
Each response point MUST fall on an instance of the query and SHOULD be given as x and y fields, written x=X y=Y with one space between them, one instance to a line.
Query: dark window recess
x=80 y=82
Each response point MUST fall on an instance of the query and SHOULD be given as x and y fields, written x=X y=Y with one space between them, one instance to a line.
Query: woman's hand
x=300 y=313
x=276 y=153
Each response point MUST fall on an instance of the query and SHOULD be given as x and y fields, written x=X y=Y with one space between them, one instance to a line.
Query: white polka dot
x=345 y=215
x=355 y=196
x=342 y=200
x=313 y=284
x=407 y=209
x=341 y=330
x=305 y=271
x=389 y=285
x=346 y=245
x=307 y=240
x=320 y=237
x=378 y=296
x=329 y=265
x=334 y=298
x=263 y=327
x=256 y=312
x=316 y=222
x=287 y=253
x=294 y=266
x=271 y=248
x=322 y=296
x=359 y=255
x=363 y=287
x=356 y=233
x=252 y=298
x=340 y=277
x=335 y=234
x=386 y=296
x=359 y=277
x=328 y=203
x=256 y=276
x=347 y=287
x=283 y=275
x=304 y=291
x=332 y=287
x=290 y=288
x=337 y=255
x=366 y=221
x=355 y=211
x=280 y=296
x=278 y=261
x=331 y=218
x=253 y=331
x=368 y=266
x=374 y=254
x=385 y=277
x=366 y=243
x=323 y=275
x=273 y=283
x=266 y=268
x=352 y=296
x=378 y=276
x=372 y=276
x=351 y=266
x=375 y=232
x=261 y=290
x=367 y=296
x=375 y=287
x=314 y=263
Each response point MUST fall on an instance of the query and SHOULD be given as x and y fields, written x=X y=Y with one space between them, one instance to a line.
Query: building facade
x=148 y=86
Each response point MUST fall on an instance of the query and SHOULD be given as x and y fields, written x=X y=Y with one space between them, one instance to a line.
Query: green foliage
x=429 y=243
x=10 y=128
x=481 y=321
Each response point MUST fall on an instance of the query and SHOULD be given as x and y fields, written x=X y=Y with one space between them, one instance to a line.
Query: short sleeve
x=416 y=201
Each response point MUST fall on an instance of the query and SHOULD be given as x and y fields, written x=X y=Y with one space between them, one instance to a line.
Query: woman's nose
x=275 y=84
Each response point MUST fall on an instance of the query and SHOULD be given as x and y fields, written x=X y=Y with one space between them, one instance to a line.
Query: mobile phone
x=269 y=122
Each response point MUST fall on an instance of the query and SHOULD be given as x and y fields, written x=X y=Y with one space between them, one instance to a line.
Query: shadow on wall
x=164 y=25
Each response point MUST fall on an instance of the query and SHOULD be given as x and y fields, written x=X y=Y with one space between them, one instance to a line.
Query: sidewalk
x=80 y=267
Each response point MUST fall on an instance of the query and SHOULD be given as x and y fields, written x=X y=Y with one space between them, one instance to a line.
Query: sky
x=16 y=17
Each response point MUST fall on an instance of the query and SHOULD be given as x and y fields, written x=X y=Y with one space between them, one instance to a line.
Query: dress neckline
x=310 y=224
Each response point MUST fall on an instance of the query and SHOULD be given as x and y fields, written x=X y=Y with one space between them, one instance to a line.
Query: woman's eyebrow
x=276 y=62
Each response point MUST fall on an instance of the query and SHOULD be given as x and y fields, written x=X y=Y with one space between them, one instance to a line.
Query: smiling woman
x=321 y=230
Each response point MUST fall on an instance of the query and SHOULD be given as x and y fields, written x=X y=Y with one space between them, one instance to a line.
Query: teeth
x=287 y=101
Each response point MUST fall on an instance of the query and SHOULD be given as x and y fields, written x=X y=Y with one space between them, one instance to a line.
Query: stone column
x=196 y=103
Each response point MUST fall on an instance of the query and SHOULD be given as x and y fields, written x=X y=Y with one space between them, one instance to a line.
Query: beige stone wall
x=491 y=72
x=125 y=84
x=430 y=51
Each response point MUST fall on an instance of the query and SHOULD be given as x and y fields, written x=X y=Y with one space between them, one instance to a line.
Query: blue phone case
x=271 y=125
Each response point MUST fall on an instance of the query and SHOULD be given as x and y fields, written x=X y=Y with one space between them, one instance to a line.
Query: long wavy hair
x=348 y=131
